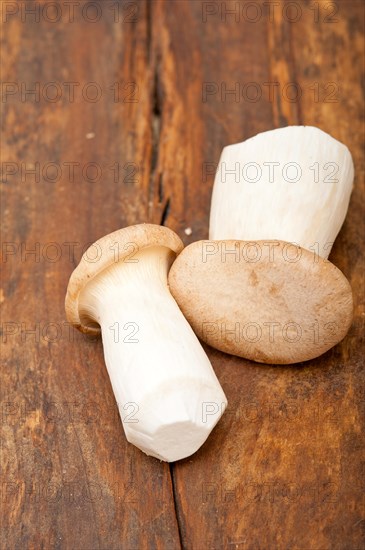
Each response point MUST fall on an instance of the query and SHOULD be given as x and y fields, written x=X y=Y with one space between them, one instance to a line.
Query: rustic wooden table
x=116 y=113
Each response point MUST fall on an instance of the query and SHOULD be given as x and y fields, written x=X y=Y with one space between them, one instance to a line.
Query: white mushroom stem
x=292 y=184
x=167 y=393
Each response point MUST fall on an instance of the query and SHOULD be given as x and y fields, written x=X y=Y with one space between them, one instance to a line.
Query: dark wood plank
x=69 y=478
x=283 y=467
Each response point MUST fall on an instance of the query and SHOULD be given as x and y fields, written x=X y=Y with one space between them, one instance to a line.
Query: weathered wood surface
x=283 y=468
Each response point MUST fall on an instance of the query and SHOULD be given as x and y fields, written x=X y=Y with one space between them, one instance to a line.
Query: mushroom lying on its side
x=249 y=291
x=163 y=382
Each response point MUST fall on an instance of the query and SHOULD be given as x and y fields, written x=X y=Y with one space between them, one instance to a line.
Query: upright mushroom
x=163 y=382
x=291 y=184
x=262 y=287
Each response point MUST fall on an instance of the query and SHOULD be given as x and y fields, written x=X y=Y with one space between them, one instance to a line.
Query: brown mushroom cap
x=115 y=247
x=268 y=301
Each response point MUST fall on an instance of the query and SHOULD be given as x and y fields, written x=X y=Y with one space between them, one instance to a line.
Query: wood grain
x=70 y=479
x=283 y=469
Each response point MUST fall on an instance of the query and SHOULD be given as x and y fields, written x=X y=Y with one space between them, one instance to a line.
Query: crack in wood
x=156 y=174
x=165 y=212
x=156 y=121
x=160 y=189
x=176 y=504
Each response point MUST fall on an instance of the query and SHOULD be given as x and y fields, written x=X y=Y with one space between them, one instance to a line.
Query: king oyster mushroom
x=162 y=379
x=262 y=287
